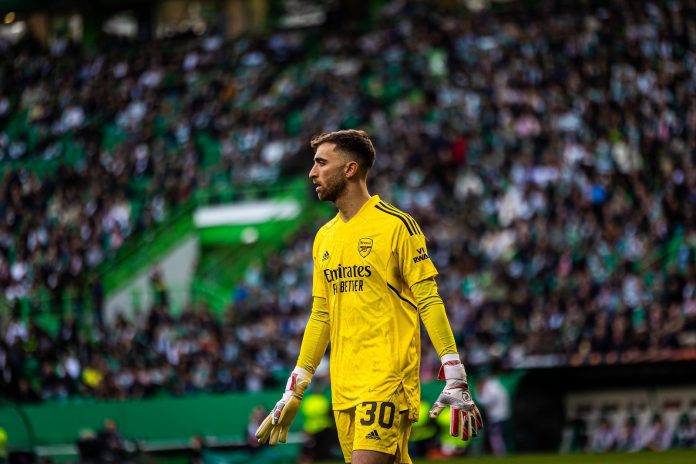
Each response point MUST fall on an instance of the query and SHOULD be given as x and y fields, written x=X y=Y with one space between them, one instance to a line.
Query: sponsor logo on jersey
x=422 y=255
x=347 y=272
x=364 y=246
x=373 y=435
x=325 y=256
x=347 y=278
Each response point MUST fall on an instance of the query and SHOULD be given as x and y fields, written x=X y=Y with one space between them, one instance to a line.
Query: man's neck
x=351 y=201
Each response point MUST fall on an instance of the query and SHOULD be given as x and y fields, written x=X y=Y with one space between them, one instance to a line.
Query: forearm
x=432 y=312
x=316 y=337
x=465 y=418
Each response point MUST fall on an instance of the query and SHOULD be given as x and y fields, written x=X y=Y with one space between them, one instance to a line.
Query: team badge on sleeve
x=364 y=246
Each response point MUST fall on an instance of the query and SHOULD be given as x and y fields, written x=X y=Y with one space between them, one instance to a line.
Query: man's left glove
x=275 y=426
x=465 y=418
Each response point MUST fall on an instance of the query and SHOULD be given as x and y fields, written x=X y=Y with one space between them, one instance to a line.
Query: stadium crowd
x=100 y=145
x=631 y=433
x=550 y=160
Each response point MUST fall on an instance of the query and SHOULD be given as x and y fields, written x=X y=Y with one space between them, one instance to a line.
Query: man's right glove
x=465 y=418
x=275 y=426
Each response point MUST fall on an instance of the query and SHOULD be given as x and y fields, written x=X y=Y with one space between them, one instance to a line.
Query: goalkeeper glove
x=275 y=426
x=465 y=418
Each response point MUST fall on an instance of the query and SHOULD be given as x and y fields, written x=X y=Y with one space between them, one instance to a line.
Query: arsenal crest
x=364 y=246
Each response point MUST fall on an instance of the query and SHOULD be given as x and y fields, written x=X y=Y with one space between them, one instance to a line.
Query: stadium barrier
x=561 y=395
x=154 y=424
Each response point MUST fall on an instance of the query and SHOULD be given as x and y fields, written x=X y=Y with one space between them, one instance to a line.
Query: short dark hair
x=351 y=141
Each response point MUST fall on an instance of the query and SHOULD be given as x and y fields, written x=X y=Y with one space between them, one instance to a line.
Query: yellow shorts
x=377 y=426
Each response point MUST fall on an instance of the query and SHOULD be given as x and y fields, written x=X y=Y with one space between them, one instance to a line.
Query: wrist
x=302 y=374
x=452 y=369
x=445 y=358
x=299 y=376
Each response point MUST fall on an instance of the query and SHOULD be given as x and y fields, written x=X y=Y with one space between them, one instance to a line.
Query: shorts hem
x=376 y=448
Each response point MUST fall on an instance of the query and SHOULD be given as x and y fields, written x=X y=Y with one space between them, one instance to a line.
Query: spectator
x=196 y=449
x=495 y=400
x=603 y=437
x=657 y=435
x=96 y=289
x=257 y=415
x=630 y=438
x=88 y=447
x=159 y=287
x=320 y=439
x=685 y=432
x=111 y=443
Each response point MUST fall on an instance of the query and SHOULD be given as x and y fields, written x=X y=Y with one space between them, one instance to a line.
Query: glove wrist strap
x=298 y=374
x=452 y=370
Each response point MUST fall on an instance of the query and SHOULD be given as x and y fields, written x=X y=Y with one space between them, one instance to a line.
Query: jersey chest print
x=348 y=271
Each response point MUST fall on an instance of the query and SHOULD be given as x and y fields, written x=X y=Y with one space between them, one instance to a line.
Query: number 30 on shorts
x=385 y=418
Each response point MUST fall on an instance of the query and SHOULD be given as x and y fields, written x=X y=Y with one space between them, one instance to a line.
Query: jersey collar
x=374 y=199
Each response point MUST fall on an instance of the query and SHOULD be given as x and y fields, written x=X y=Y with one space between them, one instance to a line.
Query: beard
x=334 y=188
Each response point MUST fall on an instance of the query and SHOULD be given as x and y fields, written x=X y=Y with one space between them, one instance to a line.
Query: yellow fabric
x=359 y=428
x=316 y=337
x=92 y=377
x=3 y=443
x=365 y=269
x=434 y=316
x=315 y=409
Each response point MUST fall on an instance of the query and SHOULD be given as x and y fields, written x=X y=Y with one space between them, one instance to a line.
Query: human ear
x=351 y=169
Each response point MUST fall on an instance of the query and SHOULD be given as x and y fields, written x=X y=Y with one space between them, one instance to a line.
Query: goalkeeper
x=373 y=283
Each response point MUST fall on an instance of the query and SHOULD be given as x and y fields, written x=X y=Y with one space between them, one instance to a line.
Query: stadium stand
x=553 y=175
x=549 y=158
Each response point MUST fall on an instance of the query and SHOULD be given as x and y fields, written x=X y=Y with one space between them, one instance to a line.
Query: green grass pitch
x=667 y=457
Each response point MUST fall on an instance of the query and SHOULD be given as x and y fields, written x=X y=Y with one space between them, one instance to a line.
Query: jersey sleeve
x=318 y=283
x=434 y=317
x=316 y=337
x=414 y=262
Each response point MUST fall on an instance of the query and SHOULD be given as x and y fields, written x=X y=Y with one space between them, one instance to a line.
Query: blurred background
x=156 y=220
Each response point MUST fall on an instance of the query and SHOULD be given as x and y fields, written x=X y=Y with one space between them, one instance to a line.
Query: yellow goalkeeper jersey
x=365 y=269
